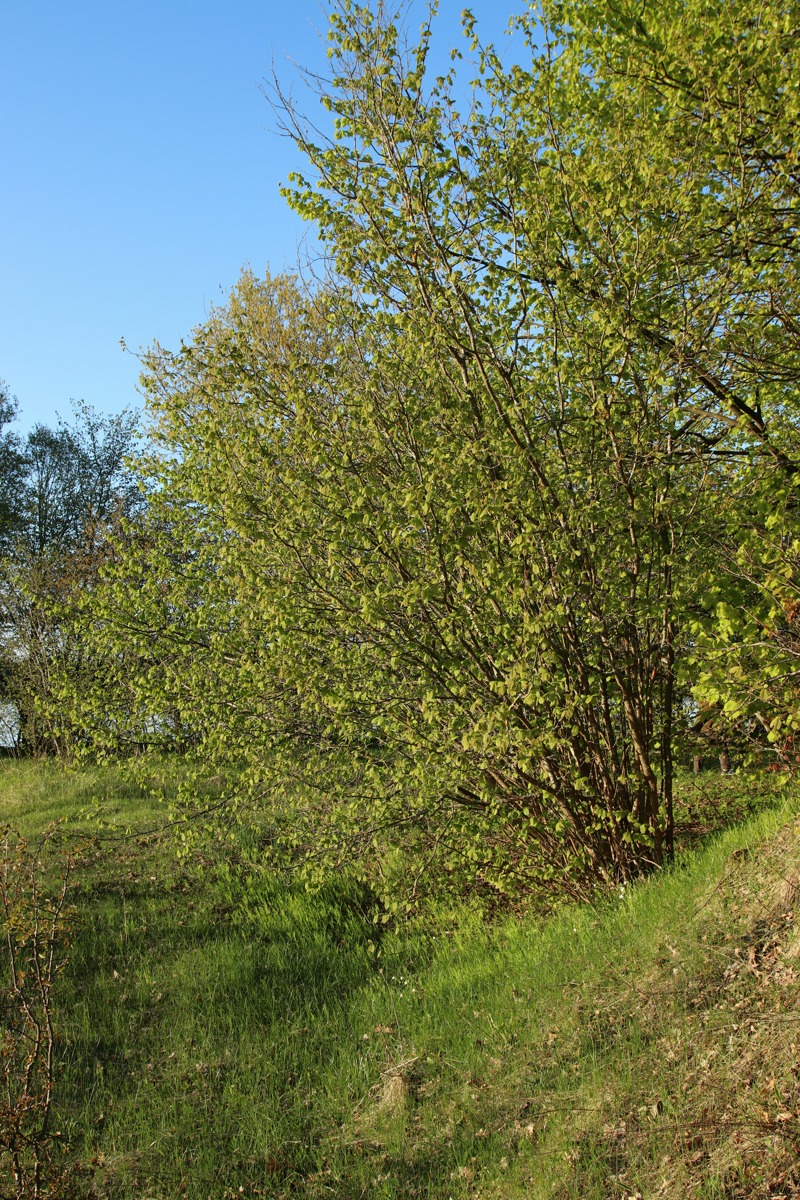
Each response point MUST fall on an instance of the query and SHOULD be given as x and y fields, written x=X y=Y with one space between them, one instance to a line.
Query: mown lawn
x=223 y=1033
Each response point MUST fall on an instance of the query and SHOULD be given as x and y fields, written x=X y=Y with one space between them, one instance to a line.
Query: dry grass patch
x=717 y=1109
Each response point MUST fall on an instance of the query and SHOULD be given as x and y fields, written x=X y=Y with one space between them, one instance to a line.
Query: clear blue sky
x=140 y=170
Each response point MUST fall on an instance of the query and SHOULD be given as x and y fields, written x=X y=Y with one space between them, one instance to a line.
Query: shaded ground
x=223 y=1034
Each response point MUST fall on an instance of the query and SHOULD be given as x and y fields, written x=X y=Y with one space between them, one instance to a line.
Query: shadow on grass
x=204 y=1001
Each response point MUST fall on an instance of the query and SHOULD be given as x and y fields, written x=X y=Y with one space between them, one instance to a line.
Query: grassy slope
x=227 y=1035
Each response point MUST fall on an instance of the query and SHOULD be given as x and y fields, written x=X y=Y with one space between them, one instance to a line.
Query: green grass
x=224 y=1033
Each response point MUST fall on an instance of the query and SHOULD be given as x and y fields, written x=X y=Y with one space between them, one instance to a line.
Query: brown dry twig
x=34 y=884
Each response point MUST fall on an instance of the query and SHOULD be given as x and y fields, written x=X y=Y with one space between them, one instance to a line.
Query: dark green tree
x=73 y=483
x=12 y=472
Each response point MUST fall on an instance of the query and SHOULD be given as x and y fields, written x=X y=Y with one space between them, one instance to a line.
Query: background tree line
x=445 y=556
x=63 y=490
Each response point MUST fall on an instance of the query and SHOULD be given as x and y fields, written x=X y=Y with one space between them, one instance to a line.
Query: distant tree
x=11 y=480
x=12 y=472
x=76 y=478
x=74 y=484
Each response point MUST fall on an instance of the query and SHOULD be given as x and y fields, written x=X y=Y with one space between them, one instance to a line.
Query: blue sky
x=140 y=173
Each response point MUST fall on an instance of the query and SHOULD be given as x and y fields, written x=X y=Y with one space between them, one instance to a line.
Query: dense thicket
x=444 y=556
